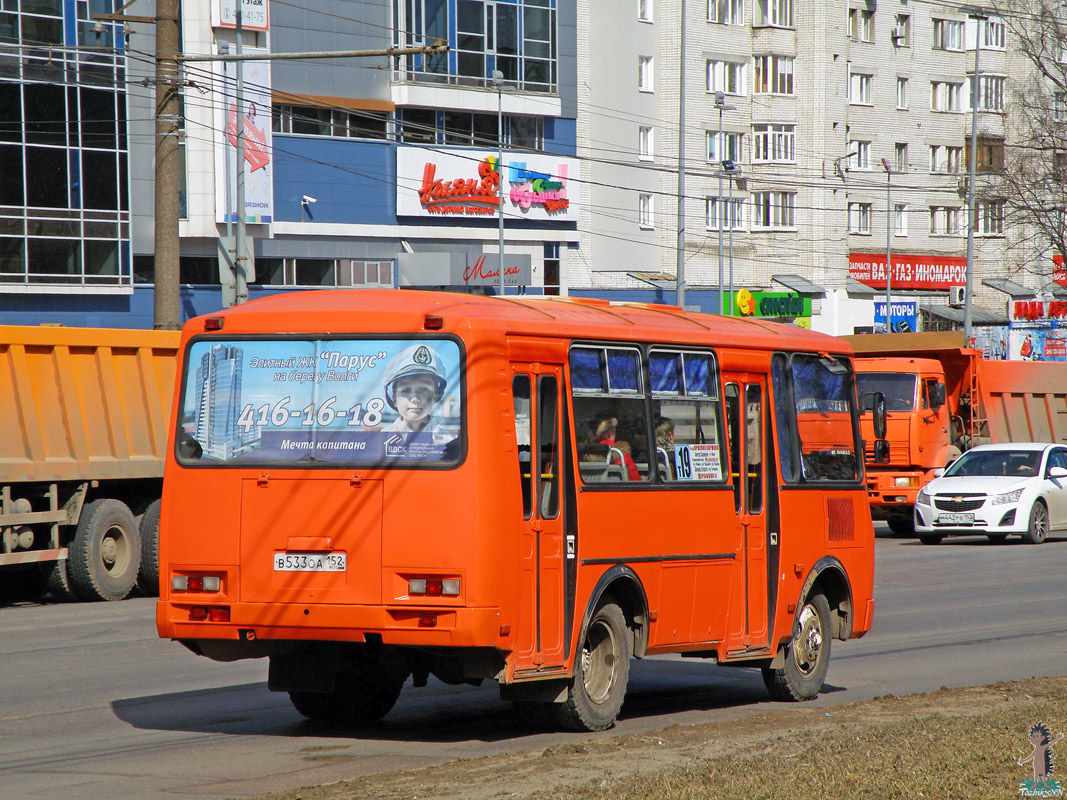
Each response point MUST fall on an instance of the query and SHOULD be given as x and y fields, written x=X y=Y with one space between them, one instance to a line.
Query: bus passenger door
x=745 y=395
x=538 y=412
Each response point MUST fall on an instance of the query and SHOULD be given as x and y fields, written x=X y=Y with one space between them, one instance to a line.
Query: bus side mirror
x=878 y=410
x=937 y=398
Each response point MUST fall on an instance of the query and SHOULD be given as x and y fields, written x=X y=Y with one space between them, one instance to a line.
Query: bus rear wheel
x=363 y=692
x=807 y=656
x=601 y=672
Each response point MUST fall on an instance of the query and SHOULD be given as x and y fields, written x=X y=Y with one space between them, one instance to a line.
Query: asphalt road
x=93 y=705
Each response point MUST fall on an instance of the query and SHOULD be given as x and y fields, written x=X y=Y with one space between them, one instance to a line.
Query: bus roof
x=339 y=311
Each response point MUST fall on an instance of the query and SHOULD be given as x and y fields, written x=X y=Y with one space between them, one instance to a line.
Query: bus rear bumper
x=258 y=624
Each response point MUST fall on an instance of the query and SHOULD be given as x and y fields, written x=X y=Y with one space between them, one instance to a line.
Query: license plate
x=955 y=518
x=310 y=562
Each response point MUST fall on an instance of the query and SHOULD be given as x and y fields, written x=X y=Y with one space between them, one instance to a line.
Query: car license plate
x=955 y=518
x=310 y=562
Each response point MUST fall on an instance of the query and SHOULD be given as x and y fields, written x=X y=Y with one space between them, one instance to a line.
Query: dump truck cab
x=917 y=432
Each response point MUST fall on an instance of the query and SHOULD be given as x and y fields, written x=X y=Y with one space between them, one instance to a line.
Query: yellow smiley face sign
x=746 y=303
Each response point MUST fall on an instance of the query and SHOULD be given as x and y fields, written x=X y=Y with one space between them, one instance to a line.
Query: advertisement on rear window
x=343 y=402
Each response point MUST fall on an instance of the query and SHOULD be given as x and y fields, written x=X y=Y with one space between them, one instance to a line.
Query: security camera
x=309 y=199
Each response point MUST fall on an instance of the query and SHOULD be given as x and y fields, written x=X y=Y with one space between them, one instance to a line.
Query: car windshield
x=998 y=463
x=899 y=390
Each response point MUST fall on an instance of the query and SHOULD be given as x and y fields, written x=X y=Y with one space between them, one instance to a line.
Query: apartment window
x=859 y=218
x=990 y=92
x=945 y=96
x=945 y=159
x=772 y=143
x=773 y=75
x=646 y=76
x=861 y=154
x=1059 y=107
x=773 y=13
x=645 y=211
x=901 y=34
x=992 y=33
x=948 y=34
x=727 y=12
x=324 y=272
x=1059 y=164
x=990 y=155
x=860 y=25
x=900 y=219
x=728 y=150
x=859 y=89
x=990 y=217
x=944 y=220
x=900 y=153
x=902 y=94
x=774 y=210
x=735 y=213
x=645 y=143
x=726 y=76
x=644 y=10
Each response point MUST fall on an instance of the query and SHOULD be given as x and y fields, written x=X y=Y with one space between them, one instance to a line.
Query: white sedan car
x=997 y=490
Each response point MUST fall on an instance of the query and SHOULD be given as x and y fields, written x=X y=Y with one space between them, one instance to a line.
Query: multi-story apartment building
x=834 y=114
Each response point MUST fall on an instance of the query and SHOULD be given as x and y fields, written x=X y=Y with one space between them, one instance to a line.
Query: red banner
x=909 y=271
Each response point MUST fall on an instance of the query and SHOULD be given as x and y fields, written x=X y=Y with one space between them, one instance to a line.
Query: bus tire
x=105 y=552
x=148 y=528
x=363 y=693
x=601 y=672
x=1037 y=528
x=807 y=655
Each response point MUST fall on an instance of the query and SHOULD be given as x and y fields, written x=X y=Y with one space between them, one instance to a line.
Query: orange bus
x=366 y=487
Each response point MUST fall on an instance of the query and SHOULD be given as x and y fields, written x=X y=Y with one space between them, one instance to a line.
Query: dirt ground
x=952 y=743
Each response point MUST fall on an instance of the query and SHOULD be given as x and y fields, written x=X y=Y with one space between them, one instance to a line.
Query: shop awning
x=799 y=285
x=1009 y=287
x=853 y=286
x=661 y=280
x=979 y=316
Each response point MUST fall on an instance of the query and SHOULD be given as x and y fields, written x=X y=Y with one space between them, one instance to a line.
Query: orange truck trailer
x=942 y=398
x=368 y=486
x=81 y=464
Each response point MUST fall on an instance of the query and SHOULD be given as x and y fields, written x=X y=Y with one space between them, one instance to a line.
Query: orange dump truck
x=941 y=399
x=81 y=464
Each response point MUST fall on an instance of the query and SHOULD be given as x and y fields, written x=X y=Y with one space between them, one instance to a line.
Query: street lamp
x=979 y=16
x=888 y=246
x=735 y=173
x=498 y=81
x=720 y=103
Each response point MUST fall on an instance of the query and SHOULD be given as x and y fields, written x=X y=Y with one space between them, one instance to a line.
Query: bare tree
x=1035 y=158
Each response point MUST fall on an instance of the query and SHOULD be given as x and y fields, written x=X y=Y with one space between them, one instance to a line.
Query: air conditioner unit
x=961 y=184
x=956 y=296
x=898 y=34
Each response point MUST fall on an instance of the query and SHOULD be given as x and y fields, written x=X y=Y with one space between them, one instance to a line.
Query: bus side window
x=520 y=388
x=548 y=446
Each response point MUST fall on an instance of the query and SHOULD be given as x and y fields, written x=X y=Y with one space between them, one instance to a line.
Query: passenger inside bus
x=599 y=444
x=665 y=447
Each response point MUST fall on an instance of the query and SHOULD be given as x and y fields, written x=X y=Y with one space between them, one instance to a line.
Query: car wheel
x=930 y=538
x=1037 y=529
x=997 y=537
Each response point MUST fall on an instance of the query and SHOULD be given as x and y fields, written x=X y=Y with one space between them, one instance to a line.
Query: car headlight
x=1007 y=497
x=922 y=498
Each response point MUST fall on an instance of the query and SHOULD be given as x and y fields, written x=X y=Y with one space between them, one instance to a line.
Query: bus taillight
x=434 y=587
x=209 y=613
x=195 y=583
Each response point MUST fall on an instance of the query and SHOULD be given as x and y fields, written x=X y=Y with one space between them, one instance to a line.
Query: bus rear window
x=334 y=402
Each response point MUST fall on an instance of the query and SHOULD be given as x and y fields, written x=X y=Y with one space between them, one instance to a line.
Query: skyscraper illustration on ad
x=218 y=381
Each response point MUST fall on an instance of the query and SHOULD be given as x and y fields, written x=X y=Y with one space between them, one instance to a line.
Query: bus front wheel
x=807 y=656
x=601 y=672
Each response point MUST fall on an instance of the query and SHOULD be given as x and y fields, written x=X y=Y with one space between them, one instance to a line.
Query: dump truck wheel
x=57 y=581
x=148 y=576
x=105 y=553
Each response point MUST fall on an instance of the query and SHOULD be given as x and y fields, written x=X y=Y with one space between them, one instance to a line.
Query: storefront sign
x=1038 y=309
x=463 y=269
x=909 y=271
x=905 y=316
x=466 y=183
x=771 y=304
x=254 y=14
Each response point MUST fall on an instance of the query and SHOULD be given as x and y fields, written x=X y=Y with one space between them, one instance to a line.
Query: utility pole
x=679 y=297
x=168 y=109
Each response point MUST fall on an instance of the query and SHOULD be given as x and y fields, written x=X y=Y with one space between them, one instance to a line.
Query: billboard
x=255 y=15
x=255 y=117
x=909 y=271
x=465 y=183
